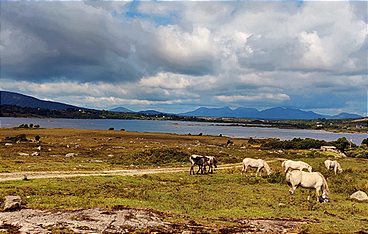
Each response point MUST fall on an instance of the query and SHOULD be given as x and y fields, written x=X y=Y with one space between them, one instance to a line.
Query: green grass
x=207 y=199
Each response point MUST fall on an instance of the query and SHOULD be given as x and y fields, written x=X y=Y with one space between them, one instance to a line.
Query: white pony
x=296 y=165
x=212 y=164
x=309 y=180
x=256 y=163
x=329 y=164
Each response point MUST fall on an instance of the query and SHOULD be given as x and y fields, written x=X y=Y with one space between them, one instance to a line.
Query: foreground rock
x=126 y=220
x=12 y=203
x=359 y=195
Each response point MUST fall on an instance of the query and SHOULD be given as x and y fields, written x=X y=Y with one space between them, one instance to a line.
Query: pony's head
x=324 y=198
x=309 y=168
x=268 y=169
x=215 y=162
x=339 y=168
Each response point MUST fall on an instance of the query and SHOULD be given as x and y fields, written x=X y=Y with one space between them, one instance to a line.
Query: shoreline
x=244 y=124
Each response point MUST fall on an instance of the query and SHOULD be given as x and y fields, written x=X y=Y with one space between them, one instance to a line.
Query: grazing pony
x=308 y=180
x=255 y=163
x=212 y=164
x=200 y=161
x=329 y=164
x=296 y=165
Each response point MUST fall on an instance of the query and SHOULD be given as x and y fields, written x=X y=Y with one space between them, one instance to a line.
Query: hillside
x=17 y=99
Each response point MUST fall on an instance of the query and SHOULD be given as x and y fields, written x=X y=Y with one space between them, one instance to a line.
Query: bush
x=17 y=138
x=359 y=152
x=342 y=144
x=296 y=143
x=276 y=178
x=37 y=138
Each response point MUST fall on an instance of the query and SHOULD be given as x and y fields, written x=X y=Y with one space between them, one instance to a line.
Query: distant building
x=328 y=148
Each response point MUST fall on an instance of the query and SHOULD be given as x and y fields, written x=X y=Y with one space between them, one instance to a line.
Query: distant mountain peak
x=121 y=109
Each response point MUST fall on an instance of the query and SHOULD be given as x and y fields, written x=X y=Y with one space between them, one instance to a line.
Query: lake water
x=180 y=127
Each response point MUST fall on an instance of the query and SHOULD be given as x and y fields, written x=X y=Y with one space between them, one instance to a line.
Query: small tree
x=365 y=141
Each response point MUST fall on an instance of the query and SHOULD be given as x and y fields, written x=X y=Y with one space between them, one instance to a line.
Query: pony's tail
x=325 y=188
x=215 y=162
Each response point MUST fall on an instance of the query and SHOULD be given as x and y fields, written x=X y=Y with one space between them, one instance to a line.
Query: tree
x=365 y=141
x=342 y=144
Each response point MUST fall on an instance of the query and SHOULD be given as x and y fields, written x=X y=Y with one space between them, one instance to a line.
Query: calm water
x=181 y=128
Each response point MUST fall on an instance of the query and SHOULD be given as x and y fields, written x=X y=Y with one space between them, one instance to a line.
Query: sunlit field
x=213 y=199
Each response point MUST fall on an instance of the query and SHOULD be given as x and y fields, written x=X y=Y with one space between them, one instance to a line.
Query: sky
x=177 y=56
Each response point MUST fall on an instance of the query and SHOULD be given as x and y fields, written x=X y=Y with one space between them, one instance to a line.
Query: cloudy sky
x=177 y=56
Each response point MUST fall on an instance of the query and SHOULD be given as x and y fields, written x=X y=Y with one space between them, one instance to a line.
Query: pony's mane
x=325 y=185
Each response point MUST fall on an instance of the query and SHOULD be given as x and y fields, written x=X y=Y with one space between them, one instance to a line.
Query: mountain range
x=272 y=113
x=282 y=113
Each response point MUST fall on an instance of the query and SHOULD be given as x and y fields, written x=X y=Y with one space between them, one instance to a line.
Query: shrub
x=37 y=138
x=17 y=138
x=276 y=178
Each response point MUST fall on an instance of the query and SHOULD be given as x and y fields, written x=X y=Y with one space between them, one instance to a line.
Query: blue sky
x=177 y=56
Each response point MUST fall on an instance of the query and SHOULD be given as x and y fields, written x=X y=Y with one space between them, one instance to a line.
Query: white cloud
x=275 y=97
x=201 y=53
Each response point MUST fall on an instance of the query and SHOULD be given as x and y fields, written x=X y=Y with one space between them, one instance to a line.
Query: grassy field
x=217 y=199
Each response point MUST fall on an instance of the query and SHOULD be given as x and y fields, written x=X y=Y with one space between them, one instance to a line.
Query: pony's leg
x=243 y=170
x=258 y=169
x=318 y=190
x=286 y=169
x=191 y=169
x=199 y=168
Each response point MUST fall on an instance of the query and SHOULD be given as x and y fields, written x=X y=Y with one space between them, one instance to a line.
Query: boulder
x=12 y=203
x=359 y=195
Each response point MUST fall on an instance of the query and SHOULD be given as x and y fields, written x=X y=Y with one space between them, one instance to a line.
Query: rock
x=70 y=155
x=23 y=154
x=35 y=154
x=359 y=195
x=8 y=144
x=12 y=203
x=39 y=148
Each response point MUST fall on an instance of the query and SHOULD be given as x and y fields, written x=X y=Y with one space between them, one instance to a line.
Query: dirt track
x=66 y=174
